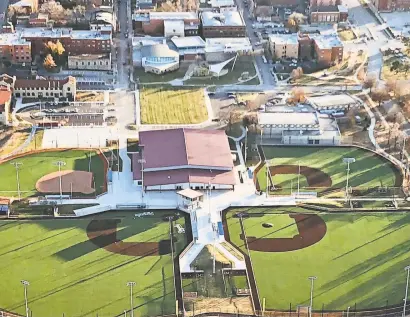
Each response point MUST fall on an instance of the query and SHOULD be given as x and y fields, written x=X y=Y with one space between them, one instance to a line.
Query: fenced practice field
x=38 y=173
x=80 y=267
x=322 y=170
x=358 y=258
x=167 y=105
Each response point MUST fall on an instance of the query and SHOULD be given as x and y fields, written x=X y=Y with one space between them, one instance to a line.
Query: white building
x=159 y=59
x=298 y=126
x=90 y=62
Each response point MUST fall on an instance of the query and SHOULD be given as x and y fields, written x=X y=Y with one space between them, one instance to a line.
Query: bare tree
x=370 y=82
x=379 y=95
x=297 y=73
x=391 y=86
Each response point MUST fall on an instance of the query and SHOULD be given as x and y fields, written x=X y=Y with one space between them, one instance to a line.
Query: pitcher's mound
x=80 y=181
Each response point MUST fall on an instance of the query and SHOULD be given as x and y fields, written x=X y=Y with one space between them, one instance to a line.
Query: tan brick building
x=392 y=5
x=328 y=49
x=284 y=46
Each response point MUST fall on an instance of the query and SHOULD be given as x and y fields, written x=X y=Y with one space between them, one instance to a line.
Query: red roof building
x=5 y=102
x=183 y=158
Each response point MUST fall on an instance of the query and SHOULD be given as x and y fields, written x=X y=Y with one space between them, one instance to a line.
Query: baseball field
x=358 y=259
x=38 y=173
x=80 y=267
x=322 y=169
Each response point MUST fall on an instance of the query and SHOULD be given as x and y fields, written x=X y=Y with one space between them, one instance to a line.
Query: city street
x=3 y=8
x=264 y=69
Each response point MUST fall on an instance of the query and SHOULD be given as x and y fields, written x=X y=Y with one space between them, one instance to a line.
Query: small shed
x=189 y=199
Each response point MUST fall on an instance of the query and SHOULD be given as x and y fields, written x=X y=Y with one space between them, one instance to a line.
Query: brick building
x=392 y=5
x=328 y=49
x=222 y=24
x=14 y=49
x=90 y=61
x=75 y=42
x=166 y=23
x=328 y=14
x=45 y=88
x=38 y=20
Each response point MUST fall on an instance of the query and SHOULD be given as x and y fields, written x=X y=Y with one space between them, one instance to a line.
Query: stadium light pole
x=25 y=284
x=312 y=279
x=131 y=285
x=17 y=166
x=298 y=177
x=407 y=268
x=59 y=164
x=348 y=161
x=348 y=310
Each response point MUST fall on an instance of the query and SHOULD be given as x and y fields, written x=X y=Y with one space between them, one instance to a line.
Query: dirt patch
x=314 y=176
x=311 y=228
x=103 y=233
x=71 y=181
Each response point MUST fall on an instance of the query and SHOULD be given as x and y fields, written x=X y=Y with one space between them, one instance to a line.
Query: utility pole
x=17 y=166
x=407 y=268
x=348 y=161
x=298 y=178
x=25 y=284
x=131 y=285
x=59 y=164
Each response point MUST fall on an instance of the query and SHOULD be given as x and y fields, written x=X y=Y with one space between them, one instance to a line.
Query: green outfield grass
x=360 y=261
x=69 y=274
x=34 y=166
x=369 y=170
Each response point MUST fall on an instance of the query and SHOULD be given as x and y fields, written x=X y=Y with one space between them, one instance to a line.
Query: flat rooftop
x=173 y=15
x=284 y=39
x=63 y=32
x=12 y=39
x=188 y=42
x=227 y=18
x=332 y=101
x=287 y=120
x=228 y=44
x=327 y=41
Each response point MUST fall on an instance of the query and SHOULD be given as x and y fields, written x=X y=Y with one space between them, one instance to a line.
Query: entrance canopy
x=190 y=193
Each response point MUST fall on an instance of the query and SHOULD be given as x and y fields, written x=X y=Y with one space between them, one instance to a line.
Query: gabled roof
x=183 y=147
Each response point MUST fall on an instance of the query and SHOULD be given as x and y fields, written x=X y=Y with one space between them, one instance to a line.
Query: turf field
x=164 y=105
x=34 y=166
x=71 y=274
x=369 y=170
x=359 y=260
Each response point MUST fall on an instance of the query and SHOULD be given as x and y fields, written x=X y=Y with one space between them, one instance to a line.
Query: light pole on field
x=25 y=284
x=348 y=161
x=407 y=268
x=348 y=310
x=59 y=164
x=131 y=285
x=17 y=166
x=312 y=279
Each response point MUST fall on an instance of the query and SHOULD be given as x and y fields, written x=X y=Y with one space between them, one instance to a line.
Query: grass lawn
x=369 y=170
x=346 y=35
x=387 y=74
x=69 y=274
x=163 y=105
x=360 y=260
x=34 y=166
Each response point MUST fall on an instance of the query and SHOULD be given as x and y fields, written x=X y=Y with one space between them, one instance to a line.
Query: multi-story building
x=284 y=45
x=90 y=61
x=40 y=87
x=223 y=24
x=328 y=49
x=391 y=5
x=38 y=20
x=5 y=104
x=14 y=48
x=45 y=88
x=166 y=23
x=75 y=42
x=270 y=7
x=328 y=14
x=324 y=3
